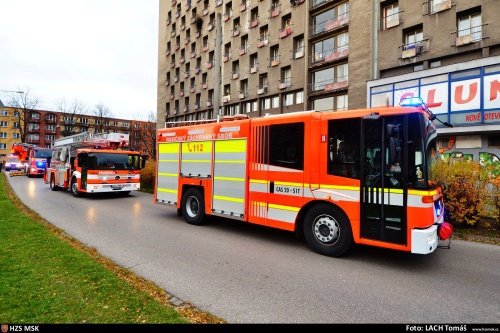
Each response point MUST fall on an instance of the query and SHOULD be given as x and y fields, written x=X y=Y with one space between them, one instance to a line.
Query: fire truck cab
x=94 y=163
x=338 y=178
x=33 y=158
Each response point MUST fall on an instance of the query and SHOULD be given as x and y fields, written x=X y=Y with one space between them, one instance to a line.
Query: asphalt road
x=250 y=274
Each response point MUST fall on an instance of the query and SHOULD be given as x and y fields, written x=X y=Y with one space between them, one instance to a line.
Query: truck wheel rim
x=74 y=188
x=326 y=229
x=192 y=206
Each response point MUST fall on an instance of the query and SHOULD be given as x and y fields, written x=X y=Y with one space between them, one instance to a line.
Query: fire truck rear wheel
x=52 y=184
x=327 y=230
x=193 y=206
x=74 y=188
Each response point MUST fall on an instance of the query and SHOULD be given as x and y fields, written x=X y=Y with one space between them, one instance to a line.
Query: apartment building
x=258 y=57
x=448 y=53
x=43 y=127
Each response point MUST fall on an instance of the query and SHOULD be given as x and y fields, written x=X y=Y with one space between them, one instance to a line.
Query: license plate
x=116 y=187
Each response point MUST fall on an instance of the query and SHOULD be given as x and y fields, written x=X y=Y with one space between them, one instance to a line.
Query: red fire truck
x=94 y=163
x=338 y=178
x=33 y=158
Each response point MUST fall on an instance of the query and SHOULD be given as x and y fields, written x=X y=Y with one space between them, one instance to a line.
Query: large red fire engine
x=94 y=163
x=338 y=178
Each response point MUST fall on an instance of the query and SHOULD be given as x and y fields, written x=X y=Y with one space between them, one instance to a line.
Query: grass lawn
x=45 y=278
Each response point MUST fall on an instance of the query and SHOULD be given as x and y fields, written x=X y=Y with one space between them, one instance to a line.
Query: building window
x=331 y=19
x=286 y=77
x=390 y=16
x=288 y=99
x=33 y=138
x=323 y=104
x=3 y=135
x=413 y=42
x=3 y=146
x=50 y=117
x=298 y=47
x=299 y=97
x=327 y=78
x=35 y=116
x=332 y=48
x=33 y=126
x=16 y=135
x=3 y=124
x=275 y=102
x=50 y=137
x=266 y=104
x=4 y=113
x=50 y=128
x=469 y=27
x=341 y=102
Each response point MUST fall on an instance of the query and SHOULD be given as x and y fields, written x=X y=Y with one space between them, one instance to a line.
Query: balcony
x=254 y=69
x=209 y=65
x=225 y=58
x=193 y=55
x=209 y=104
x=243 y=7
x=192 y=90
x=330 y=55
x=261 y=42
x=186 y=42
x=167 y=52
x=197 y=34
x=197 y=70
x=284 y=84
x=330 y=25
x=176 y=47
x=205 y=12
x=183 y=27
x=329 y=85
x=193 y=20
x=34 y=120
x=172 y=34
x=390 y=21
x=235 y=75
x=182 y=60
x=236 y=32
x=167 y=82
x=226 y=99
x=169 y=20
x=254 y=23
x=275 y=12
x=176 y=79
x=226 y=17
x=470 y=35
x=262 y=90
x=196 y=106
x=275 y=62
x=177 y=15
x=298 y=53
x=412 y=50
x=285 y=32
x=218 y=3
x=181 y=93
x=243 y=50
x=172 y=97
x=210 y=26
x=50 y=120
x=204 y=48
x=243 y=95
x=187 y=75
x=172 y=65
x=437 y=6
x=204 y=85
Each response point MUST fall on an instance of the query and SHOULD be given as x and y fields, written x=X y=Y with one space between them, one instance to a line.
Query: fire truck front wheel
x=193 y=206
x=327 y=230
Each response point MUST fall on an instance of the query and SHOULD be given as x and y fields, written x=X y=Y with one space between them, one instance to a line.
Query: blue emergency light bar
x=412 y=101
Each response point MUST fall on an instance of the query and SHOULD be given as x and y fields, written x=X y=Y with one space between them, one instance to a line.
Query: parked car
x=13 y=163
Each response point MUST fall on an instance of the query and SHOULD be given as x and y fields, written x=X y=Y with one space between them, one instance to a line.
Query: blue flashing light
x=40 y=164
x=412 y=101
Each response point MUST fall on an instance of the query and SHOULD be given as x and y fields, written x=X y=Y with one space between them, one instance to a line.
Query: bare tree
x=71 y=113
x=24 y=105
x=146 y=133
x=102 y=115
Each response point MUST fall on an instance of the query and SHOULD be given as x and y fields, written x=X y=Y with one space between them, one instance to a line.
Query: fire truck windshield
x=43 y=153
x=110 y=161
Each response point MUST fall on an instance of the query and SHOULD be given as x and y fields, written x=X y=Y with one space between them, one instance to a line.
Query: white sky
x=98 y=51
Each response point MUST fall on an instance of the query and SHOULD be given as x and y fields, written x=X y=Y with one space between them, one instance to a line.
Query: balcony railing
x=298 y=53
x=285 y=83
x=275 y=61
x=254 y=23
x=262 y=42
x=412 y=50
x=436 y=6
x=262 y=90
x=285 y=32
x=470 y=35
x=254 y=69
x=236 y=75
x=330 y=25
x=329 y=85
x=226 y=98
x=330 y=55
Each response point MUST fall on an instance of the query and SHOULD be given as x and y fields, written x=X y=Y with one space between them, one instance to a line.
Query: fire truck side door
x=383 y=194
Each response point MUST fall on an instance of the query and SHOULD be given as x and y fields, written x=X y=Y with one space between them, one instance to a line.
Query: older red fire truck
x=94 y=163
x=338 y=178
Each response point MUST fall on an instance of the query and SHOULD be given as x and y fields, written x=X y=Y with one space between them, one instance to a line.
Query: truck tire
x=327 y=230
x=52 y=184
x=74 y=188
x=193 y=206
